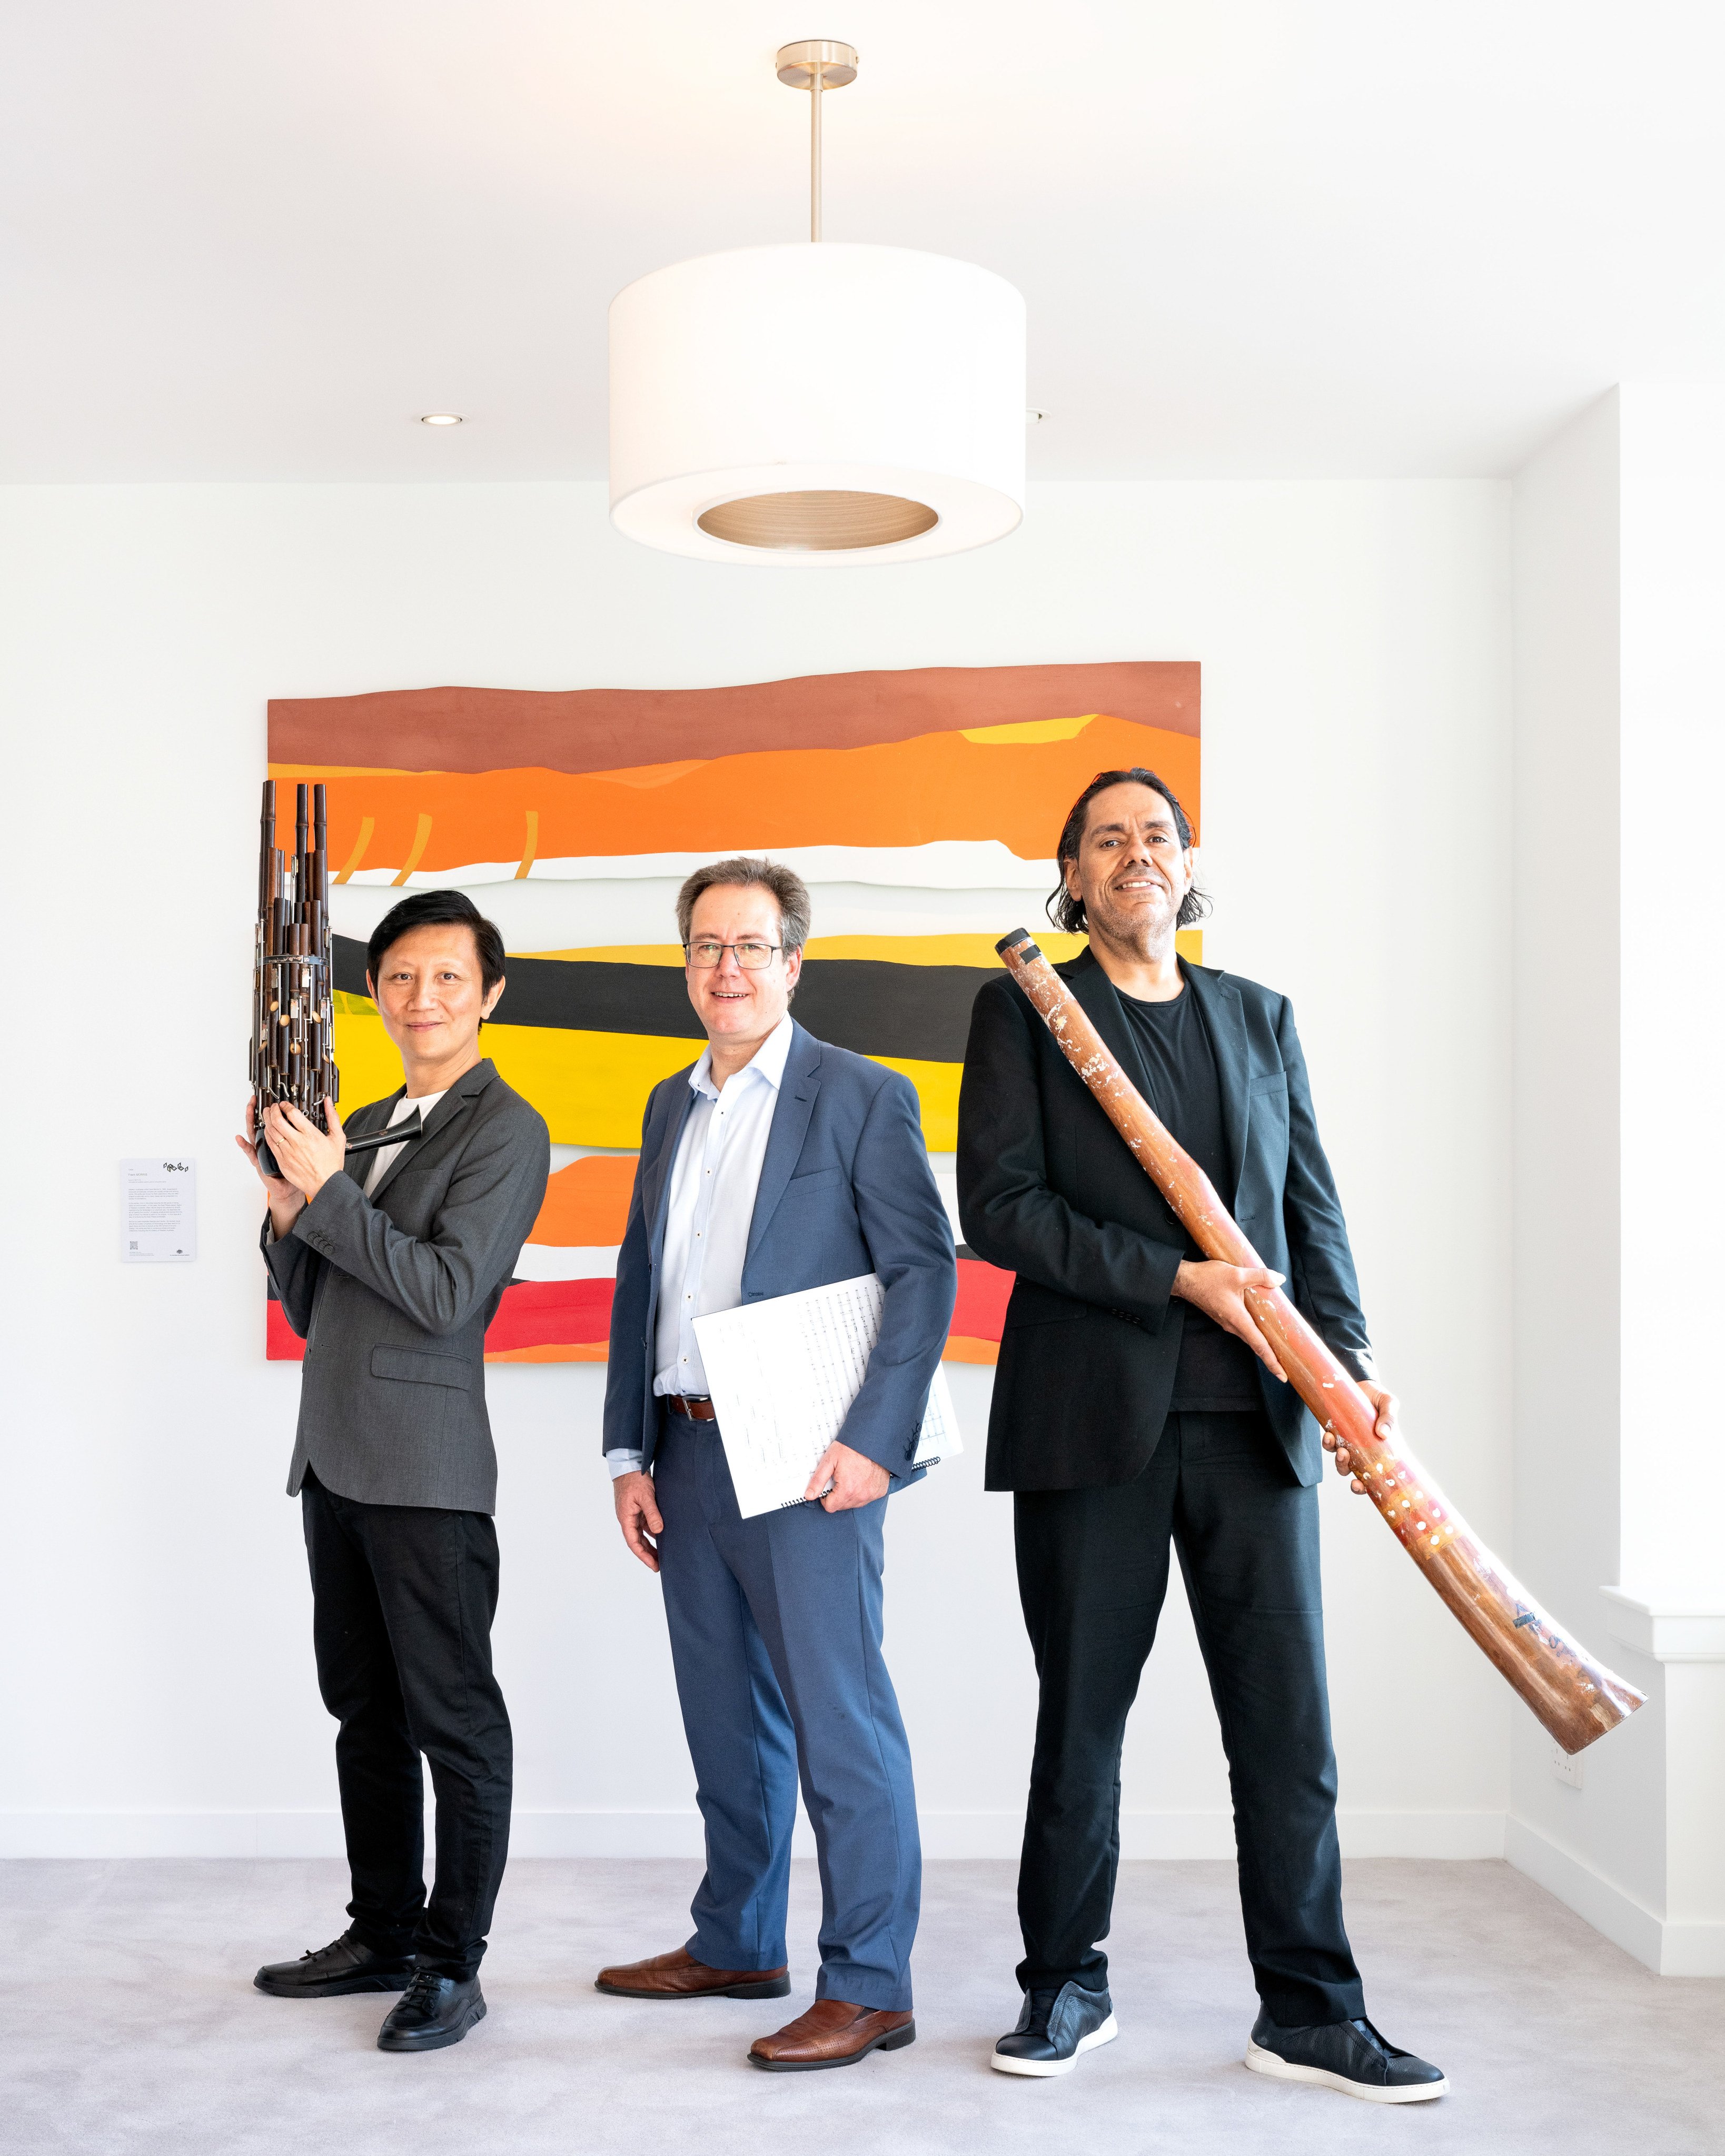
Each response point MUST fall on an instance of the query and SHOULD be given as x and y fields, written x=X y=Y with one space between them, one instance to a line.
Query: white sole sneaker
x=1042 y=2069
x=1261 y=2061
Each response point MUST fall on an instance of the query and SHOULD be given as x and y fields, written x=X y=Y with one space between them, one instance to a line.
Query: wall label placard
x=158 y=1210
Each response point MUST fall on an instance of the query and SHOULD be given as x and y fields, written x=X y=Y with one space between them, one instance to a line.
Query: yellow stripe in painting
x=421 y=838
x=894 y=950
x=936 y=1086
x=532 y=845
x=891 y=950
x=1029 y=730
x=592 y=1088
x=368 y=824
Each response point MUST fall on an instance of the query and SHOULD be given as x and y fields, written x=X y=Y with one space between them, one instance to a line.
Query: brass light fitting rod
x=815 y=64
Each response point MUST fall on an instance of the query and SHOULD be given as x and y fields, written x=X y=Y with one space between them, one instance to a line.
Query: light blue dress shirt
x=714 y=1180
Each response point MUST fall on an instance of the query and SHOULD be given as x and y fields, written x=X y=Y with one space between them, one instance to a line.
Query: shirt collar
x=769 y=1059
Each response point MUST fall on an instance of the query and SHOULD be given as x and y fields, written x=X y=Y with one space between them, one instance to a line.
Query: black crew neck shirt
x=1216 y=1373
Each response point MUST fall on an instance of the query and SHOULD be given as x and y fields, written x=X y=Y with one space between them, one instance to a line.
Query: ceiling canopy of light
x=813 y=405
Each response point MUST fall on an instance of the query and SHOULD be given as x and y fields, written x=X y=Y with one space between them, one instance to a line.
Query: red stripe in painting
x=983 y=1292
x=546 y=1313
x=542 y=1313
x=283 y=1344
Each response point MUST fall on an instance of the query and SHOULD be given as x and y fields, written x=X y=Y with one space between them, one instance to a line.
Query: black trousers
x=403 y=1600
x=1092 y=1573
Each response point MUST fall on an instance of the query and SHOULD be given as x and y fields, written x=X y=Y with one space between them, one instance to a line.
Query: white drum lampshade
x=813 y=405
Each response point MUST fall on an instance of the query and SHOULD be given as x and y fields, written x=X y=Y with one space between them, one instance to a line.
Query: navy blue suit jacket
x=845 y=1188
x=1048 y=1190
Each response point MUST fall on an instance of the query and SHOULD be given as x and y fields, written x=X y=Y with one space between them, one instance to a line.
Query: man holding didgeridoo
x=1137 y=1407
x=390 y=1263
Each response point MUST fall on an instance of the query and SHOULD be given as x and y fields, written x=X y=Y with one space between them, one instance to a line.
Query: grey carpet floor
x=129 y=2027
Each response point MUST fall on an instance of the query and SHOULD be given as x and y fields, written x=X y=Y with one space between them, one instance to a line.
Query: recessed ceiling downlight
x=440 y=419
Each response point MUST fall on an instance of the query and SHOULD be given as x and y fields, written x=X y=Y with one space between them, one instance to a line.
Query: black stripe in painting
x=921 y=1012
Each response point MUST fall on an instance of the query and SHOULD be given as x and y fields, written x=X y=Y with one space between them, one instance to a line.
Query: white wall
x=1619 y=1153
x=158 y=1675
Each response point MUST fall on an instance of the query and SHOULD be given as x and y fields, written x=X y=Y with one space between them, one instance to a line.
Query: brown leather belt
x=693 y=1407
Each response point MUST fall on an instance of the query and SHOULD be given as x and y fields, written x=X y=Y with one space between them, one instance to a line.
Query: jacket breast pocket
x=805 y=1186
x=415 y=1365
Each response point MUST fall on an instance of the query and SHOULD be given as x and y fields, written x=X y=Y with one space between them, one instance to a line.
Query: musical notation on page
x=783 y=1375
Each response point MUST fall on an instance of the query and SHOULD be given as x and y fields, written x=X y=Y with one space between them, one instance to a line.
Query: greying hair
x=789 y=892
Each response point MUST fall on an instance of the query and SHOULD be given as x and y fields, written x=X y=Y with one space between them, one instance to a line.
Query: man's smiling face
x=736 y=1003
x=1132 y=871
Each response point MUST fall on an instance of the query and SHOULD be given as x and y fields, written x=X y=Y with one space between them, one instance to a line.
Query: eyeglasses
x=753 y=958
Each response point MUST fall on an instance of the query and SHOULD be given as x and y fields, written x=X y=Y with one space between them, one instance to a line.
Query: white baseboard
x=1160 y=1835
x=1668 y=1949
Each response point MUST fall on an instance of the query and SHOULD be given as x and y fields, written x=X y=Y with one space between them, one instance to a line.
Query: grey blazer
x=391 y=1295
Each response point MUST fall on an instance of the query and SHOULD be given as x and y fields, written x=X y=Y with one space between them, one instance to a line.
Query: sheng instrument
x=1577 y=1698
x=293 y=979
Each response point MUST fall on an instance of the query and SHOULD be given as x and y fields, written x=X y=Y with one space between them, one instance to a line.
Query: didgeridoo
x=1575 y=1698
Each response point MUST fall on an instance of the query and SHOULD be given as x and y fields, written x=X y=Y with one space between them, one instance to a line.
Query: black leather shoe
x=333 y=1971
x=437 y=2011
x=1349 y=2055
x=1053 y=2029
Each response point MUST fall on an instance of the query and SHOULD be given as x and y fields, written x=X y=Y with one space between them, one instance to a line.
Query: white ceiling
x=252 y=240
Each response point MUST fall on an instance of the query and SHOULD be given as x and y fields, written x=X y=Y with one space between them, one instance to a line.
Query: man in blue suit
x=776 y=1164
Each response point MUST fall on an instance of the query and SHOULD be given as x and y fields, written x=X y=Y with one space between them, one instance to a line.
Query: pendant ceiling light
x=810 y=406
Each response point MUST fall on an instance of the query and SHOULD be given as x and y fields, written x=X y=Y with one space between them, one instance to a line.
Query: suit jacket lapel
x=454 y=1103
x=358 y=1165
x=1096 y=993
x=790 y=1112
x=1219 y=1006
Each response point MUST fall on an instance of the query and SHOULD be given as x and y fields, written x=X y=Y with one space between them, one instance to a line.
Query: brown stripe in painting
x=602 y=729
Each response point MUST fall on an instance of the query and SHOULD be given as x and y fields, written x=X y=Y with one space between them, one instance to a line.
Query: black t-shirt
x=1215 y=1372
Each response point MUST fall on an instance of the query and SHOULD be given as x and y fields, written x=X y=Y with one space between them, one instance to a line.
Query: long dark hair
x=1067 y=912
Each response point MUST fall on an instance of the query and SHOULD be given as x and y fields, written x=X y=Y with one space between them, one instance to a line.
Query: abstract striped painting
x=921 y=808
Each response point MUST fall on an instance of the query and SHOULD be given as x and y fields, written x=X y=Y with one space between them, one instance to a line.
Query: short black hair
x=1067 y=912
x=438 y=909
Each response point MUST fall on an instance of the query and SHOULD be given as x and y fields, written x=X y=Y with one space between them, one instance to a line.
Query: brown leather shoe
x=832 y=2033
x=679 y=1976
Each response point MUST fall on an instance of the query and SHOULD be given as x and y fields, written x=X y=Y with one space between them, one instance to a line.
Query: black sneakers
x=437 y=2011
x=1349 y=2055
x=1053 y=2029
x=344 y=1965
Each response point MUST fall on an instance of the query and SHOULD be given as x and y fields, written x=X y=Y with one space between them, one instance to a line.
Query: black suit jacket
x=391 y=1295
x=1048 y=1190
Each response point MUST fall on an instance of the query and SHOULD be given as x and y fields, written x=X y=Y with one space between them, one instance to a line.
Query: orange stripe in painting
x=416 y=852
x=367 y=825
x=959 y=1349
x=586 y=1203
x=554 y=1351
x=532 y=845
x=900 y=794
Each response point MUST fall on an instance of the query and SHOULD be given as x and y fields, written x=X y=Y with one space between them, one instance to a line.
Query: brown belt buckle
x=692 y=1407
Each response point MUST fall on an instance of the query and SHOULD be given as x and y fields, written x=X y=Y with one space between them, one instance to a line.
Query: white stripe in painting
x=570 y=916
x=567 y=1262
x=942 y=864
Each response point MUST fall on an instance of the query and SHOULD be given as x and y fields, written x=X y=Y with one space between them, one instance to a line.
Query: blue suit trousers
x=775 y=1631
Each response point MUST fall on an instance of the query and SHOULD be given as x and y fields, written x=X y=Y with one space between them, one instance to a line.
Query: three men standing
x=777 y=1164
x=1136 y=1405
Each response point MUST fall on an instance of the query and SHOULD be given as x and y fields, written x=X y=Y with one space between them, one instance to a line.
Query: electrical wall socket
x=1566 y=1766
